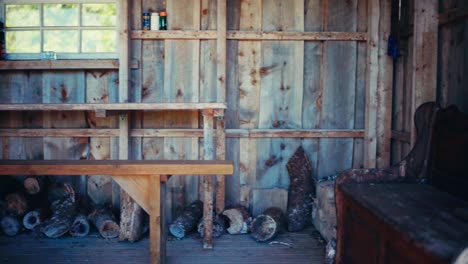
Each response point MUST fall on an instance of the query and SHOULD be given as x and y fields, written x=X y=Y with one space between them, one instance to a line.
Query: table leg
x=155 y=219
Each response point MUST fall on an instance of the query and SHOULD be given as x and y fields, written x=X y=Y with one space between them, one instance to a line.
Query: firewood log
x=267 y=225
x=63 y=213
x=131 y=218
x=103 y=219
x=59 y=191
x=16 y=203
x=239 y=219
x=218 y=226
x=32 y=219
x=10 y=225
x=301 y=191
x=188 y=220
x=80 y=226
x=34 y=185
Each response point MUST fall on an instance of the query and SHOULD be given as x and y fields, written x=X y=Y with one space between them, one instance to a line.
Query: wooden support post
x=155 y=219
x=221 y=97
x=426 y=23
x=220 y=155
x=370 y=136
x=379 y=86
x=208 y=154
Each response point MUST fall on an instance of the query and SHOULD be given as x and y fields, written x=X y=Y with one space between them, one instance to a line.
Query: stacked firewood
x=50 y=209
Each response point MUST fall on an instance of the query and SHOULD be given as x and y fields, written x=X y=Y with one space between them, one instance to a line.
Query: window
x=74 y=29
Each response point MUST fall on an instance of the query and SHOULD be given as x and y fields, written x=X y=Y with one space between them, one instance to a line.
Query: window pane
x=99 y=15
x=61 y=40
x=60 y=15
x=23 y=41
x=99 y=41
x=22 y=16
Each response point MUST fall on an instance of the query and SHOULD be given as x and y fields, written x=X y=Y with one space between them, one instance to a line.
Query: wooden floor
x=307 y=247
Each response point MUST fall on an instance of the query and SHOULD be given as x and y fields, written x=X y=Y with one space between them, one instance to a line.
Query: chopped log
x=188 y=220
x=10 y=225
x=267 y=225
x=34 y=185
x=60 y=191
x=218 y=226
x=301 y=191
x=80 y=226
x=16 y=204
x=32 y=219
x=103 y=219
x=63 y=213
x=131 y=219
x=239 y=219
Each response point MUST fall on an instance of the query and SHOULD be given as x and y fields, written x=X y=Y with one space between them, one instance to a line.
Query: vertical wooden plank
x=339 y=89
x=220 y=155
x=208 y=71
x=249 y=60
x=208 y=154
x=312 y=99
x=64 y=87
x=155 y=219
x=424 y=61
x=123 y=48
x=231 y=116
x=181 y=84
x=384 y=89
x=360 y=105
x=99 y=89
x=281 y=92
x=370 y=137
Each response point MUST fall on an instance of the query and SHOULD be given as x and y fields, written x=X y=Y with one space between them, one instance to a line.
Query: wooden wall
x=280 y=95
x=452 y=67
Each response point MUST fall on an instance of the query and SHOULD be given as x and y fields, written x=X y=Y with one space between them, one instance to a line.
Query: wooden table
x=143 y=180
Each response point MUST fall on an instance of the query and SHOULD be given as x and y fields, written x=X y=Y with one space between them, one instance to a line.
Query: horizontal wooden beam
x=251 y=35
x=112 y=106
x=401 y=136
x=453 y=15
x=62 y=64
x=115 y=167
x=198 y=133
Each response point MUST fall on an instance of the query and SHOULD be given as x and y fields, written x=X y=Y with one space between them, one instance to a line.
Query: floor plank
x=307 y=248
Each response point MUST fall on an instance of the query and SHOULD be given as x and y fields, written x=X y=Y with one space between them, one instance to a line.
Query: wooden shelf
x=113 y=107
x=61 y=64
x=250 y=35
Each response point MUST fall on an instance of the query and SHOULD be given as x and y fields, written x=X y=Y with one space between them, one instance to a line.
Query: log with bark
x=188 y=220
x=10 y=225
x=131 y=218
x=63 y=214
x=104 y=221
x=59 y=191
x=218 y=226
x=16 y=203
x=80 y=226
x=238 y=219
x=32 y=219
x=301 y=191
x=267 y=225
x=34 y=185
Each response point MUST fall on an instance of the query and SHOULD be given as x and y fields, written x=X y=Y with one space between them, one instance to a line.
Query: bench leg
x=155 y=219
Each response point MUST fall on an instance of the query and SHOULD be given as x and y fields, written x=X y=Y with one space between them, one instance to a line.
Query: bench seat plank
x=427 y=218
x=115 y=167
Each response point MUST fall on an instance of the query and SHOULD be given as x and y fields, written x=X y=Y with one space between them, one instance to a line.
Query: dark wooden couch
x=415 y=211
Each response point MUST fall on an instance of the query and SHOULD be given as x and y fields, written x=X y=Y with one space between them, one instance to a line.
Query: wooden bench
x=143 y=180
x=415 y=211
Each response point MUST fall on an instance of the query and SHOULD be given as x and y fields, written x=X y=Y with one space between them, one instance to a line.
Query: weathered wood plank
x=424 y=62
x=60 y=105
x=249 y=58
x=208 y=154
x=155 y=220
x=339 y=91
x=62 y=65
x=252 y=34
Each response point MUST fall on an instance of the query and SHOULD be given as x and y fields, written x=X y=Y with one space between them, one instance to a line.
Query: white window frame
x=79 y=55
